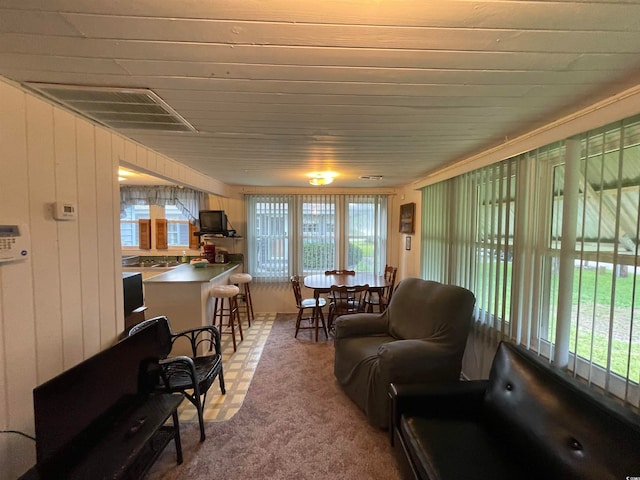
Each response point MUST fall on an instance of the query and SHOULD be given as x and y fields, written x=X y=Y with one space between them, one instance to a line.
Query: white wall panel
x=88 y=233
x=17 y=336
x=116 y=248
x=64 y=303
x=106 y=270
x=66 y=183
x=45 y=258
x=141 y=157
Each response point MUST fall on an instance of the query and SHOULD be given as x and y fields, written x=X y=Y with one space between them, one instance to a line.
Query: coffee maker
x=209 y=252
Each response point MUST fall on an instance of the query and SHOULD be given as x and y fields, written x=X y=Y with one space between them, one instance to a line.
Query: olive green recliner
x=420 y=337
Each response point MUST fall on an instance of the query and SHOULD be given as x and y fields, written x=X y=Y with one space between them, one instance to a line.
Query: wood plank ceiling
x=280 y=88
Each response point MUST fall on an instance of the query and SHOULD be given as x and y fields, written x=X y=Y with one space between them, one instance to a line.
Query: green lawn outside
x=595 y=294
x=596 y=287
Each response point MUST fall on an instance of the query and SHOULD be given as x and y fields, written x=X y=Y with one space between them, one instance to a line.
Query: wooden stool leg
x=231 y=324
x=215 y=315
x=249 y=302
x=237 y=315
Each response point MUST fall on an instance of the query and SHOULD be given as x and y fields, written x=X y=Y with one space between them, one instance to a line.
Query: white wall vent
x=118 y=108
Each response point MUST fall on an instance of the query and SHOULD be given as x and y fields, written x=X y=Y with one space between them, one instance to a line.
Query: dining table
x=321 y=283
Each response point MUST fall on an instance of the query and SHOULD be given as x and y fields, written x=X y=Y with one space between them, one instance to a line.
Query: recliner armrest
x=360 y=324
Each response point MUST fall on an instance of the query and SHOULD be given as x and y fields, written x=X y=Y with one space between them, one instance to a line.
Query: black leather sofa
x=528 y=420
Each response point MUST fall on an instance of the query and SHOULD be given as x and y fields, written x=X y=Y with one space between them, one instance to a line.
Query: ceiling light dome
x=321 y=178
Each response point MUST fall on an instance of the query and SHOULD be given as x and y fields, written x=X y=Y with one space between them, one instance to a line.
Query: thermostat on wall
x=64 y=211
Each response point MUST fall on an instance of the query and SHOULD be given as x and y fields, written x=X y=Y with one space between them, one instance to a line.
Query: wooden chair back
x=297 y=291
x=346 y=300
x=340 y=272
x=390 y=274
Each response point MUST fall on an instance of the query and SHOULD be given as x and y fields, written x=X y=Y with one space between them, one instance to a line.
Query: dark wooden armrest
x=179 y=371
x=456 y=399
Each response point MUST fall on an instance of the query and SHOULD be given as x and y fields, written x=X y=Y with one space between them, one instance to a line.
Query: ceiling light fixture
x=321 y=178
x=321 y=181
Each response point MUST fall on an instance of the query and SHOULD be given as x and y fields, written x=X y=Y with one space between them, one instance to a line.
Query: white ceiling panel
x=276 y=88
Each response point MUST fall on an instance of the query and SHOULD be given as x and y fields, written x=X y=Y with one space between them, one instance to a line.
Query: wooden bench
x=101 y=420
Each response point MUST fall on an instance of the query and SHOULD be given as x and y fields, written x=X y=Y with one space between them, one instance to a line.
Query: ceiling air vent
x=370 y=177
x=118 y=108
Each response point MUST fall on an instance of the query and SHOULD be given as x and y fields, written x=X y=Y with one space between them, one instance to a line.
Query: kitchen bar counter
x=182 y=295
x=188 y=273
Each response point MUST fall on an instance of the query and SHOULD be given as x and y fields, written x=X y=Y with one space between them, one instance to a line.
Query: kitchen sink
x=151 y=264
x=165 y=264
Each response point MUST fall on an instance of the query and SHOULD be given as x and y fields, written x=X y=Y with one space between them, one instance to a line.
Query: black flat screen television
x=213 y=221
x=73 y=409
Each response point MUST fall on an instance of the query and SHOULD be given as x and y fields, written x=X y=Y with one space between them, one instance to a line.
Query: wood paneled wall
x=64 y=303
x=61 y=305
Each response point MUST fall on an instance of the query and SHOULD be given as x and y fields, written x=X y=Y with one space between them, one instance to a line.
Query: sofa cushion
x=552 y=419
x=450 y=448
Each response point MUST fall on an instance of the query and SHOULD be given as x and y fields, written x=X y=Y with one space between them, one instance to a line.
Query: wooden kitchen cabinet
x=144 y=228
x=161 y=234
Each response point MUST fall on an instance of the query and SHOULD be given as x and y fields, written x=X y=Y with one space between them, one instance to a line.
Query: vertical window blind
x=308 y=234
x=548 y=242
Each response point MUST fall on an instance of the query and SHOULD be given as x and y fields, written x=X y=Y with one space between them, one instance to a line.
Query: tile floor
x=238 y=370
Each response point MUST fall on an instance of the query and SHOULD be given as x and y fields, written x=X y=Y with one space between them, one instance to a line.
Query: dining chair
x=346 y=300
x=190 y=375
x=305 y=304
x=340 y=272
x=381 y=297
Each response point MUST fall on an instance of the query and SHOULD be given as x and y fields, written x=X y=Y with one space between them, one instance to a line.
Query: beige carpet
x=295 y=423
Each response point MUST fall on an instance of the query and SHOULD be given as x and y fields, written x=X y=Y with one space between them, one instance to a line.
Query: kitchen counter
x=182 y=295
x=147 y=272
x=186 y=273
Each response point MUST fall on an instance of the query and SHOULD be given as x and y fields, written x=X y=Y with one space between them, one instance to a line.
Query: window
x=364 y=217
x=604 y=329
x=177 y=224
x=548 y=241
x=269 y=246
x=178 y=205
x=129 y=233
x=177 y=227
x=312 y=233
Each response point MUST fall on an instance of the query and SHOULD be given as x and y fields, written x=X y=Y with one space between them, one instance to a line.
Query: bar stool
x=220 y=293
x=244 y=279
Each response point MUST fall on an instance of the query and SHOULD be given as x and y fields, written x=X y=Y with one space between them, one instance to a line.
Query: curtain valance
x=187 y=200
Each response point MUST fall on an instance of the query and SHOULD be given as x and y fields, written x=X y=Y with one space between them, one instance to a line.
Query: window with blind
x=129 y=232
x=177 y=224
x=308 y=234
x=177 y=227
x=548 y=241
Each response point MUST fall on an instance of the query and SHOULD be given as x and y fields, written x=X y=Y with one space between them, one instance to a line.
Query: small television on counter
x=213 y=221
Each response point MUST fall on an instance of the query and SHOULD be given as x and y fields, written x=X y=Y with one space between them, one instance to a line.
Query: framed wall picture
x=407 y=211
